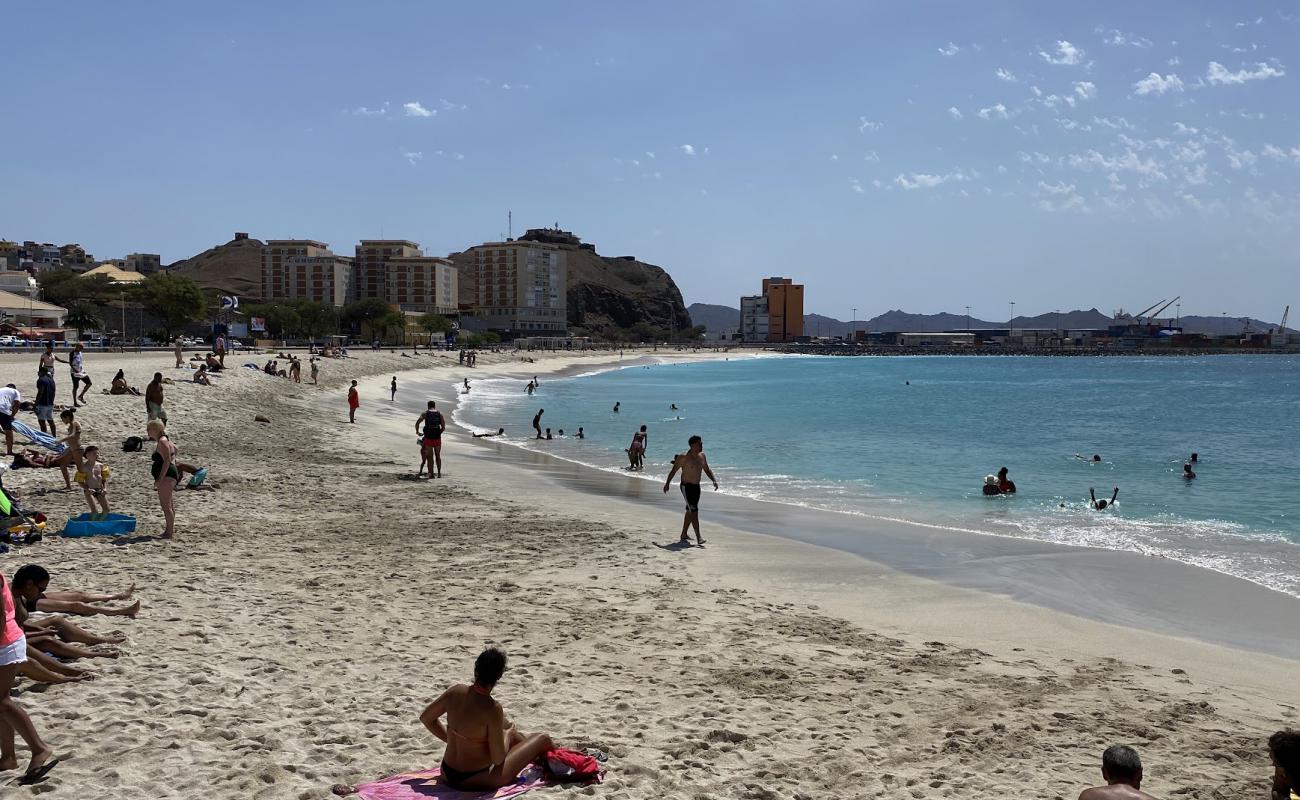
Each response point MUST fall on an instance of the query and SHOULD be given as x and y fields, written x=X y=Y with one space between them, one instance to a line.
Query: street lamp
x=968 y=319
x=852 y=327
x=1011 y=323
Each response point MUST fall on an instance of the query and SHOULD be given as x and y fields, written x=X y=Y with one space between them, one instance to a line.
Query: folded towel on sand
x=425 y=783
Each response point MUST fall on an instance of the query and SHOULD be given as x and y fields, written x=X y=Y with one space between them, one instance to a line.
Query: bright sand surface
x=317 y=600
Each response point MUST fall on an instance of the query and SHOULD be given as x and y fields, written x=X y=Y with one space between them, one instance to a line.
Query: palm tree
x=83 y=315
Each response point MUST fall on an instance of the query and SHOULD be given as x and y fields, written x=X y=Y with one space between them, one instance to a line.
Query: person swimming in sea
x=1196 y=457
x=1096 y=459
x=1005 y=484
x=500 y=432
x=580 y=433
x=616 y=405
x=1187 y=471
x=990 y=488
x=1101 y=505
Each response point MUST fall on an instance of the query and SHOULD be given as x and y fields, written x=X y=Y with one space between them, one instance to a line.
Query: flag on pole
x=229 y=303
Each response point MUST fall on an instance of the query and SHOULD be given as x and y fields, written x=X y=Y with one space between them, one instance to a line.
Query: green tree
x=83 y=315
x=367 y=314
x=316 y=319
x=435 y=323
x=174 y=300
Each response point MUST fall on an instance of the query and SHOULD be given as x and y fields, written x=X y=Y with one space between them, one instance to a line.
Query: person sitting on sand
x=1122 y=770
x=120 y=386
x=32 y=581
x=1100 y=505
x=1284 y=749
x=484 y=751
x=1187 y=472
x=95 y=480
x=212 y=363
x=500 y=432
x=13 y=719
x=1005 y=484
x=990 y=488
x=201 y=376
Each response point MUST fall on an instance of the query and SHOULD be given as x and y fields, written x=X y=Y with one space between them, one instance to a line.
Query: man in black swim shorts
x=691 y=463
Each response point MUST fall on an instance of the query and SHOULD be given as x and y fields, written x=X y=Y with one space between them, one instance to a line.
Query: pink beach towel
x=425 y=784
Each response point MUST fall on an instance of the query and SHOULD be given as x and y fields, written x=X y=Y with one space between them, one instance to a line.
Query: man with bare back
x=691 y=463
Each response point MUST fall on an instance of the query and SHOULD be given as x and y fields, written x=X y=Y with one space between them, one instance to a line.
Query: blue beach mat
x=100 y=525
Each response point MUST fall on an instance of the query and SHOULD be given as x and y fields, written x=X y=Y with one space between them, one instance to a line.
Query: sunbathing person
x=201 y=376
x=43 y=668
x=1122 y=770
x=31 y=581
x=120 y=386
x=484 y=751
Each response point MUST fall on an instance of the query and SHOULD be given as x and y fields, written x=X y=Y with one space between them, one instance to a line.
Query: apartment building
x=776 y=315
x=421 y=283
x=369 y=271
x=304 y=269
x=519 y=287
x=143 y=263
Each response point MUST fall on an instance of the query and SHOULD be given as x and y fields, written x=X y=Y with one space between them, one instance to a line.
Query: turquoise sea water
x=851 y=435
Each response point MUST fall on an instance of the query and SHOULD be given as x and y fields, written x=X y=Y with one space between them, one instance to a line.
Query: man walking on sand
x=392 y=390
x=153 y=398
x=429 y=427
x=691 y=463
x=354 y=402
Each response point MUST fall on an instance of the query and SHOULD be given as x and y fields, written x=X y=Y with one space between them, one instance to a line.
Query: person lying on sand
x=1122 y=770
x=1100 y=505
x=31 y=581
x=1284 y=748
x=484 y=751
x=500 y=432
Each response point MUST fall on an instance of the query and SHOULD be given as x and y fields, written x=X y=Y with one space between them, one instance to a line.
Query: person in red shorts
x=354 y=402
x=430 y=426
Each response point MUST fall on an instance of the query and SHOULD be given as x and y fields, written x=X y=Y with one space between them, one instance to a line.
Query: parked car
x=234 y=344
x=10 y=341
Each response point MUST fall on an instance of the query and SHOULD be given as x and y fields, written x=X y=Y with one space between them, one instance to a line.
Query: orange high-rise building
x=784 y=309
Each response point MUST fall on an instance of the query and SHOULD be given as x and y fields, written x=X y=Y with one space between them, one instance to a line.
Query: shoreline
x=313 y=604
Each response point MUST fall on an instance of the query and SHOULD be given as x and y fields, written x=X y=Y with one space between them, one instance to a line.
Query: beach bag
x=133 y=444
x=569 y=766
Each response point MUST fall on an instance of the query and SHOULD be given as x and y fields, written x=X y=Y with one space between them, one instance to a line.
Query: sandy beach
x=318 y=599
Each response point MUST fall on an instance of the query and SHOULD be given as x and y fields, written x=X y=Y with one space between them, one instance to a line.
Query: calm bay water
x=850 y=435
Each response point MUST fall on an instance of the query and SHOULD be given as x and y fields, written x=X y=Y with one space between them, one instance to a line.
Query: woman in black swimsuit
x=484 y=751
x=165 y=475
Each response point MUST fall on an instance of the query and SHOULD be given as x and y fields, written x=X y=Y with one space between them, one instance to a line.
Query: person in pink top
x=13 y=652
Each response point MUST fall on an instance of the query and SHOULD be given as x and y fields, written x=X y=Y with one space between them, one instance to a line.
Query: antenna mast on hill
x=510 y=225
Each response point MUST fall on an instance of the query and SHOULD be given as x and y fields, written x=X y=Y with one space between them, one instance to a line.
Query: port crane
x=1152 y=311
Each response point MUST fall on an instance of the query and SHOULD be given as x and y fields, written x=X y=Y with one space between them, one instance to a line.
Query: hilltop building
x=304 y=269
x=421 y=283
x=519 y=286
x=370 y=271
x=775 y=315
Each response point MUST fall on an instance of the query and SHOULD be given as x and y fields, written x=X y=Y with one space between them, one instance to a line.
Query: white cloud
x=414 y=109
x=1185 y=129
x=1072 y=125
x=412 y=156
x=649 y=154
x=1116 y=38
x=1114 y=123
x=856 y=186
x=1155 y=84
x=872 y=156
x=363 y=111
x=1085 y=89
x=955 y=112
x=1278 y=154
x=1218 y=75
x=1065 y=54
x=1005 y=75
x=447 y=105
x=924 y=180
x=865 y=125
x=834 y=157
x=1241 y=159
x=950 y=50
x=1128 y=162
x=1060 y=196
x=688 y=149
x=996 y=110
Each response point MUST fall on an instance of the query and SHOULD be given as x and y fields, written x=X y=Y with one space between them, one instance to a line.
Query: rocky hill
x=233 y=268
x=714 y=319
x=604 y=293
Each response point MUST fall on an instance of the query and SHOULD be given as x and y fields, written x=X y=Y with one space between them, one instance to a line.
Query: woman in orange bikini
x=484 y=751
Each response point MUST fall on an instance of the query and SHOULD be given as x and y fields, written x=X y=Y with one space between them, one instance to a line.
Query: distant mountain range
x=717 y=319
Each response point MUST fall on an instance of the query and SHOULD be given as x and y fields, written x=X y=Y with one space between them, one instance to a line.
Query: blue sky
x=915 y=155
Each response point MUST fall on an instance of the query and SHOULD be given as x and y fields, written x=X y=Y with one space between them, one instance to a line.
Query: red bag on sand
x=569 y=766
